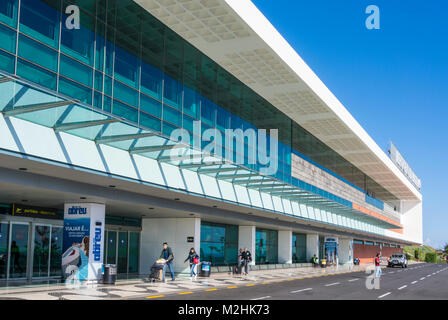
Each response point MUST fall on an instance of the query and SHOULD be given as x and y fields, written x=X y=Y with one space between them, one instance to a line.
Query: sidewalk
x=142 y=287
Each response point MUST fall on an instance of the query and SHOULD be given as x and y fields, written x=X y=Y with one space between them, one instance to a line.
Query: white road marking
x=414 y=282
x=386 y=294
x=297 y=291
x=391 y=272
x=401 y=288
x=267 y=297
x=332 y=284
x=353 y=280
x=422 y=278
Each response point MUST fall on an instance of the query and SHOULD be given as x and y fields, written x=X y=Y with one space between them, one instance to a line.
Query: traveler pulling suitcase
x=157 y=270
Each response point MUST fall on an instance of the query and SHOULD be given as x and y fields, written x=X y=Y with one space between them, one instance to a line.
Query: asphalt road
x=417 y=282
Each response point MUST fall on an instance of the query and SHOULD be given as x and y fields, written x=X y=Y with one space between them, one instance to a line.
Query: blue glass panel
x=75 y=90
x=208 y=112
x=8 y=39
x=99 y=81
x=168 y=129
x=109 y=58
x=108 y=85
x=191 y=102
x=40 y=21
x=150 y=105
x=98 y=100
x=172 y=92
x=188 y=123
x=99 y=47
x=126 y=67
x=8 y=12
x=125 y=111
x=107 y=104
x=150 y=122
x=172 y=116
x=7 y=62
x=151 y=81
x=38 y=53
x=36 y=74
x=222 y=119
x=125 y=94
x=79 y=43
x=75 y=70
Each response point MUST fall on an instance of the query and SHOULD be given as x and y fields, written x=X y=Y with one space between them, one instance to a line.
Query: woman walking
x=193 y=259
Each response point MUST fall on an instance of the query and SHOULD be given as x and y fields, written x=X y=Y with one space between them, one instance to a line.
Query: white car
x=398 y=259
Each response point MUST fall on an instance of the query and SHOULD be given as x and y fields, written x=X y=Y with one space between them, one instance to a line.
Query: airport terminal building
x=190 y=122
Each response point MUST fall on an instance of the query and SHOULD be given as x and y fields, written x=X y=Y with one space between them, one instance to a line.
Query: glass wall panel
x=219 y=243
x=40 y=21
x=73 y=89
x=36 y=74
x=7 y=62
x=8 y=12
x=38 y=53
x=266 y=246
x=19 y=251
x=150 y=106
x=41 y=251
x=7 y=39
x=56 y=251
x=4 y=236
x=111 y=257
x=76 y=71
x=122 y=252
x=298 y=247
x=134 y=251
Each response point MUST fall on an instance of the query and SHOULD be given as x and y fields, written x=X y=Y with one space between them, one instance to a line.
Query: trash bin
x=110 y=274
x=323 y=263
x=205 y=269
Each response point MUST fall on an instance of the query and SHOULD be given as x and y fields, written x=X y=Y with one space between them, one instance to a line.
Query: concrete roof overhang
x=236 y=35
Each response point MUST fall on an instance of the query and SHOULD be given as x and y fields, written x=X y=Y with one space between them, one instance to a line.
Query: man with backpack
x=167 y=255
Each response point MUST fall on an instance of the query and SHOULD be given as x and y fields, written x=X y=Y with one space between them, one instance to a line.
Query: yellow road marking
x=232 y=287
x=186 y=292
x=208 y=290
x=250 y=285
x=265 y=282
x=153 y=297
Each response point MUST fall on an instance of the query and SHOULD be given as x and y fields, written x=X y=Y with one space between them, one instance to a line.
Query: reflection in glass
x=219 y=243
x=4 y=231
x=122 y=252
x=56 y=251
x=41 y=251
x=266 y=246
x=134 y=239
x=111 y=257
x=19 y=250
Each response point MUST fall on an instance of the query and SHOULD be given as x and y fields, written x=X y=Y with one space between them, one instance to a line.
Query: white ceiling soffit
x=236 y=35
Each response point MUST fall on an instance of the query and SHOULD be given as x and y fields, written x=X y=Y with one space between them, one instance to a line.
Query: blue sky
x=394 y=81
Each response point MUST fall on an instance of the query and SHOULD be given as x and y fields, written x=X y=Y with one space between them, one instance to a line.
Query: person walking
x=167 y=255
x=193 y=259
x=378 y=271
x=315 y=261
x=239 y=261
x=247 y=258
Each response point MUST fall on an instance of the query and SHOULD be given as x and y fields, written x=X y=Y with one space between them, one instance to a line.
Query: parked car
x=398 y=259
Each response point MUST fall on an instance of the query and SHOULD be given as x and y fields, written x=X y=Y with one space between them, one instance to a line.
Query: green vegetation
x=431 y=257
x=426 y=254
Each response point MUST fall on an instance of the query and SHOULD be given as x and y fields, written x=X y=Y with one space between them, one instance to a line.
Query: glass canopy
x=21 y=100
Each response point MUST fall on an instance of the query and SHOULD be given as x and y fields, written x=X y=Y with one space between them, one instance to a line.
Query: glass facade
x=266 y=246
x=219 y=243
x=122 y=248
x=125 y=62
x=298 y=247
x=4 y=236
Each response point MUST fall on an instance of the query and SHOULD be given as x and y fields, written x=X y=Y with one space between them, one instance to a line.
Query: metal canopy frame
x=67 y=115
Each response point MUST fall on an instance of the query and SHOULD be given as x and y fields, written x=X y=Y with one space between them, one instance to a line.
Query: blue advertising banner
x=83 y=242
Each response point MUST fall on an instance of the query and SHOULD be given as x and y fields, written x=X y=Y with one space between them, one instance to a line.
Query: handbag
x=195 y=261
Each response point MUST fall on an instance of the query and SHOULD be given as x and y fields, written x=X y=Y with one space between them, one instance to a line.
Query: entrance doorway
x=122 y=248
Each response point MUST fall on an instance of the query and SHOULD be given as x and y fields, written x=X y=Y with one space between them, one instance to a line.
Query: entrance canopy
x=21 y=100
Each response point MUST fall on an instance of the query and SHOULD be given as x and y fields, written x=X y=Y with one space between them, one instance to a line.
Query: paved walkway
x=126 y=289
